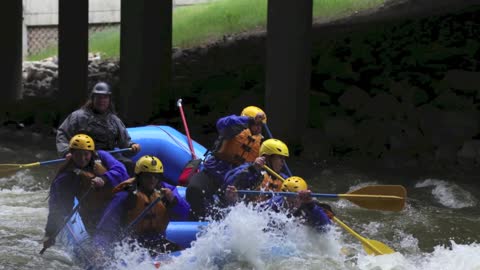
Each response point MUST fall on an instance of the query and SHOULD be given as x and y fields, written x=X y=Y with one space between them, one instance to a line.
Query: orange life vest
x=98 y=198
x=155 y=221
x=269 y=184
x=244 y=147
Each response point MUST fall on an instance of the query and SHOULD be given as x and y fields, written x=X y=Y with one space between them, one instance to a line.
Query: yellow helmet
x=82 y=142
x=274 y=147
x=252 y=111
x=148 y=164
x=294 y=184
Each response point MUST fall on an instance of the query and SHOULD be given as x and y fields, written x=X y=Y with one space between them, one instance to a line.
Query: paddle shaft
x=379 y=197
x=271 y=136
x=378 y=248
x=272 y=172
x=62 y=159
x=358 y=236
x=54 y=161
x=315 y=195
x=282 y=193
x=184 y=120
x=143 y=214
x=67 y=218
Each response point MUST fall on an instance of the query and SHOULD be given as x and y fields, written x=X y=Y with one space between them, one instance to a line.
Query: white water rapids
x=439 y=228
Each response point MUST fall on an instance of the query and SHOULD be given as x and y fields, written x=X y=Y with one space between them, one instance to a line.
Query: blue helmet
x=101 y=88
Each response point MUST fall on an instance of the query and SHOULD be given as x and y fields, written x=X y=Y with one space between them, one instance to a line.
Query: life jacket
x=124 y=185
x=270 y=184
x=103 y=129
x=244 y=147
x=98 y=198
x=155 y=221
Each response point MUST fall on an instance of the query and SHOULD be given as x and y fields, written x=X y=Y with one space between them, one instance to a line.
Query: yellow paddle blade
x=7 y=168
x=374 y=247
x=378 y=197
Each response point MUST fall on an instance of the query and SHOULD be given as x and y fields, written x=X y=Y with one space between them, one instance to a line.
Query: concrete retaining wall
x=45 y=12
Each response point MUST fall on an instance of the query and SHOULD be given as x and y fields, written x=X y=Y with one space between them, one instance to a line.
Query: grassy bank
x=194 y=25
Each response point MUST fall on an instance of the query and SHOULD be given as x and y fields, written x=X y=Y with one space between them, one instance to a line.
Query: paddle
x=370 y=197
x=372 y=247
x=271 y=136
x=4 y=168
x=192 y=165
x=67 y=218
x=190 y=145
x=378 y=197
x=141 y=216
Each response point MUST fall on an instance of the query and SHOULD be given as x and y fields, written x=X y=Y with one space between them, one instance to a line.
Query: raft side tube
x=169 y=145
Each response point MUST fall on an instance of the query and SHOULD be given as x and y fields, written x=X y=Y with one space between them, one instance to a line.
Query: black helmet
x=101 y=88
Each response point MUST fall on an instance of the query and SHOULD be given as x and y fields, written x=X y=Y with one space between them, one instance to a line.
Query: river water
x=438 y=229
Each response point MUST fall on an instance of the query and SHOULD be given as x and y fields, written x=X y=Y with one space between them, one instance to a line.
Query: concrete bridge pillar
x=289 y=41
x=145 y=59
x=72 y=53
x=11 y=53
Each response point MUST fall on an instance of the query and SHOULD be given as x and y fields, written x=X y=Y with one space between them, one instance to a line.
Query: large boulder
x=382 y=106
x=448 y=100
x=353 y=98
x=468 y=154
x=340 y=132
x=339 y=128
x=446 y=154
x=316 y=146
x=447 y=127
x=463 y=80
x=371 y=137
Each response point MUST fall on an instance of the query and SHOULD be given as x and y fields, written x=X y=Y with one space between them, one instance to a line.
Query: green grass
x=194 y=25
x=50 y=51
x=107 y=42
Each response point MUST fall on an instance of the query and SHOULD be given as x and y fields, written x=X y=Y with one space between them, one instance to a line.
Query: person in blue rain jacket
x=238 y=142
x=87 y=174
x=312 y=213
x=131 y=199
x=253 y=176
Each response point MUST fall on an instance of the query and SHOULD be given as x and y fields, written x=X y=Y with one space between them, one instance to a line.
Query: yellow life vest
x=244 y=147
x=155 y=221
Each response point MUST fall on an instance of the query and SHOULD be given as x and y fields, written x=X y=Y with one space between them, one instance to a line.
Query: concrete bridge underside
x=146 y=67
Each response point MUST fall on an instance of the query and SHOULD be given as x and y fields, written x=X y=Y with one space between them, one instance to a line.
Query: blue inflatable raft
x=171 y=147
